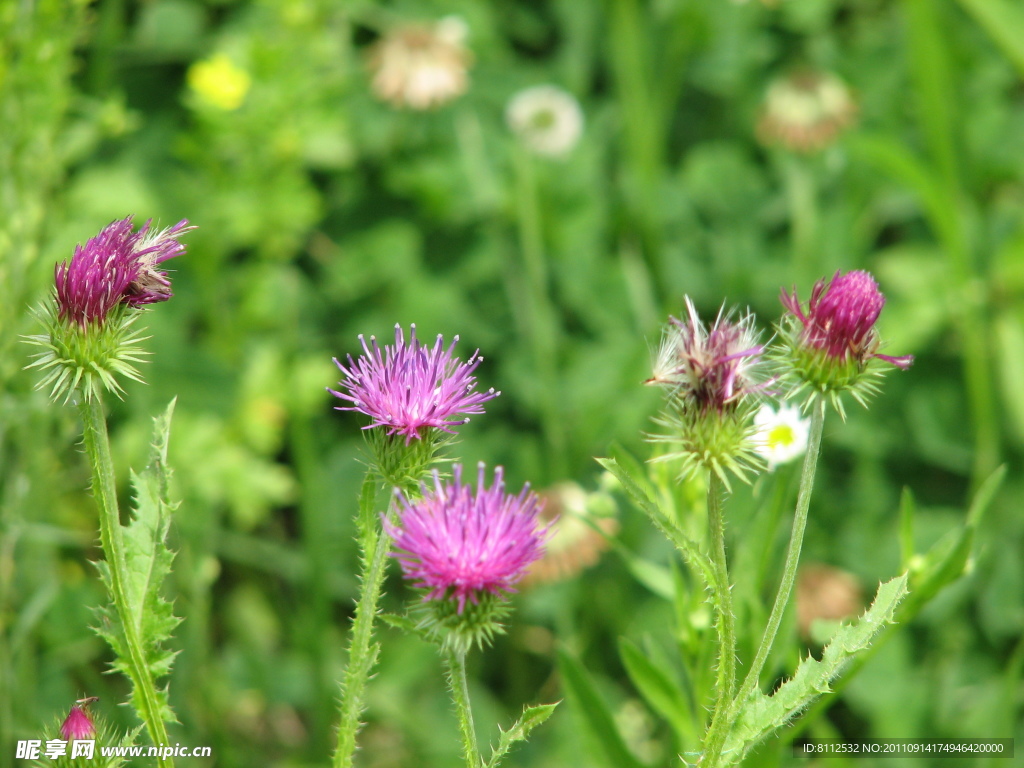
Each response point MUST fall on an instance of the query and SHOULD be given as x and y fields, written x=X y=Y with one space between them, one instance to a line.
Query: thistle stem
x=362 y=655
x=803 y=501
x=455 y=660
x=725 y=682
x=97 y=448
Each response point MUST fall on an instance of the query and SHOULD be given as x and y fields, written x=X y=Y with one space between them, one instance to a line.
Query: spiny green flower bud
x=714 y=382
x=90 y=337
x=832 y=347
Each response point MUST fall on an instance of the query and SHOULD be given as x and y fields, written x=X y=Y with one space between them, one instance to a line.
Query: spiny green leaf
x=520 y=731
x=639 y=491
x=148 y=561
x=760 y=714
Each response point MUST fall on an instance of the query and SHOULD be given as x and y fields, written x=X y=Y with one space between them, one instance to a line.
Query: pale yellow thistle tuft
x=421 y=66
x=806 y=111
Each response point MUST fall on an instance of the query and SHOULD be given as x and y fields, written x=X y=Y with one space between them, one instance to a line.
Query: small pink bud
x=840 y=318
x=78 y=724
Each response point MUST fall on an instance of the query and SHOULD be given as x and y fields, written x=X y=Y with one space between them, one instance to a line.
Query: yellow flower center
x=781 y=436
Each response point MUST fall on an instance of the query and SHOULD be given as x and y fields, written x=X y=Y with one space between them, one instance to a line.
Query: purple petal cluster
x=77 y=725
x=710 y=368
x=117 y=266
x=459 y=543
x=410 y=387
x=840 y=318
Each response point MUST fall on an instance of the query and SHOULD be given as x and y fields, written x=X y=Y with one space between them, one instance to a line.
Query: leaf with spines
x=520 y=731
x=639 y=490
x=148 y=563
x=760 y=715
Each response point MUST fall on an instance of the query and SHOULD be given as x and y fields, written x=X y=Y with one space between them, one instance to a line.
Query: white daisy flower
x=781 y=435
x=547 y=119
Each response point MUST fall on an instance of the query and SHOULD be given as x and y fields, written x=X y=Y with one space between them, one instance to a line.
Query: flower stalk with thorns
x=89 y=341
x=715 y=380
x=466 y=549
x=824 y=350
x=415 y=396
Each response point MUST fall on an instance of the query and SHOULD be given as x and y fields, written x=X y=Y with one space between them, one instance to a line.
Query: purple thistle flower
x=410 y=387
x=459 y=543
x=77 y=725
x=117 y=266
x=840 y=319
x=710 y=369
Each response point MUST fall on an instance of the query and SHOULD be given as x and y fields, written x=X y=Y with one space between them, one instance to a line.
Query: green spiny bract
x=86 y=358
x=475 y=625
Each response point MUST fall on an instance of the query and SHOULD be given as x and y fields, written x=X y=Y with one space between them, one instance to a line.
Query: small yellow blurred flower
x=219 y=82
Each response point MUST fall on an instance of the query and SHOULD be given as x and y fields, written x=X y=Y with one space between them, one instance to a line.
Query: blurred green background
x=324 y=212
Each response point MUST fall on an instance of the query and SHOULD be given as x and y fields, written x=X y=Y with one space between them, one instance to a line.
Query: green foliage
x=520 y=731
x=636 y=486
x=1004 y=22
x=761 y=714
x=324 y=213
x=657 y=683
x=148 y=559
x=591 y=708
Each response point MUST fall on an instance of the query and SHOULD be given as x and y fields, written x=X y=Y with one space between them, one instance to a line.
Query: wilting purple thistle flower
x=714 y=380
x=78 y=725
x=840 y=318
x=117 y=266
x=709 y=369
x=461 y=544
x=411 y=387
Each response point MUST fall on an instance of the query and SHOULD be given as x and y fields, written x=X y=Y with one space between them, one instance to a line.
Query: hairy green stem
x=455 y=660
x=796 y=540
x=725 y=682
x=104 y=488
x=362 y=654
